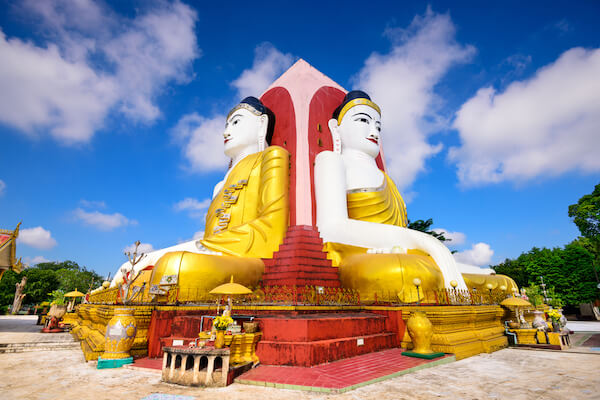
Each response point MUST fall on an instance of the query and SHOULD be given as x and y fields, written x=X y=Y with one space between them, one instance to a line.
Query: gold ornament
x=420 y=330
x=120 y=334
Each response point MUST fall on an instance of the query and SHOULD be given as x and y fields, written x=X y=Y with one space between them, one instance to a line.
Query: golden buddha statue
x=362 y=217
x=246 y=221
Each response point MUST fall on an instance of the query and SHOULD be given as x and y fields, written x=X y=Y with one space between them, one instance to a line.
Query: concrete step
x=320 y=326
x=37 y=346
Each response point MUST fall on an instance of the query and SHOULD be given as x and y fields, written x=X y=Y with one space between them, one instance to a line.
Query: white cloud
x=402 y=83
x=456 y=238
x=2 y=187
x=37 y=237
x=563 y=26
x=544 y=126
x=156 y=47
x=142 y=248
x=519 y=62
x=268 y=64
x=94 y=61
x=198 y=235
x=195 y=208
x=43 y=90
x=201 y=140
x=102 y=221
x=92 y=203
x=479 y=254
x=191 y=204
x=35 y=260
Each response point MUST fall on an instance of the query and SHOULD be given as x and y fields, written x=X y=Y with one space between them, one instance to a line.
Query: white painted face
x=359 y=130
x=242 y=132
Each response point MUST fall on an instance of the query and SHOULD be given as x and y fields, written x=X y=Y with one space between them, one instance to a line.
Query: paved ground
x=584 y=326
x=23 y=329
x=506 y=374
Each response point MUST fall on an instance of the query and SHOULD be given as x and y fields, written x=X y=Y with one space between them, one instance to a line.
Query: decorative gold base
x=90 y=329
x=464 y=331
x=69 y=318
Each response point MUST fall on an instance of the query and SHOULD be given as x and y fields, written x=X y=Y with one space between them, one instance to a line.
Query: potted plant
x=555 y=317
x=57 y=304
x=220 y=324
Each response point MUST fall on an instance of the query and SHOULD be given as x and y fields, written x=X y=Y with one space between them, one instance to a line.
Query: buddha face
x=243 y=131
x=359 y=130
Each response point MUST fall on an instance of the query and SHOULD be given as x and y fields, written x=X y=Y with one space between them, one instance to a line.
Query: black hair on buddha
x=354 y=94
x=261 y=108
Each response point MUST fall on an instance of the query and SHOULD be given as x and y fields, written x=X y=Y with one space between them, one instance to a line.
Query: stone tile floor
x=507 y=374
x=23 y=329
x=340 y=376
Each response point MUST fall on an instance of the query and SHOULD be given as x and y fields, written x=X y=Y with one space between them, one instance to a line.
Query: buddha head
x=356 y=124
x=249 y=128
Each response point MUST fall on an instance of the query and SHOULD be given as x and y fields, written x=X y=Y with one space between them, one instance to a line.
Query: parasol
x=75 y=293
x=231 y=288
x=515 y=302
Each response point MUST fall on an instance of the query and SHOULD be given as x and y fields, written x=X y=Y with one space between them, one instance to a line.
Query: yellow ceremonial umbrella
x=231 y=288
x=515 y=302
x=75 y=293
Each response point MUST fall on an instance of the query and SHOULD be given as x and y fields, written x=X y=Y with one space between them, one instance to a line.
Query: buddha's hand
x=440 y=254
x=205 y=250
x=126 y=269
x=387 y=250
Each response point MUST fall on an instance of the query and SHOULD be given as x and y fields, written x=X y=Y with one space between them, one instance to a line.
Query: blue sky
x=111 y=113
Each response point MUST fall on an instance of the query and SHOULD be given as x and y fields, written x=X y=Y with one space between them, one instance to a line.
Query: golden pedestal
x=91 y=325
x=69 y=318
x=464 y=331
x=526 y=336
x=561 y=339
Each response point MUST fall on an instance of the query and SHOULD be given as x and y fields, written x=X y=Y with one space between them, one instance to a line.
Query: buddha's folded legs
x=196 y=274
x=390 y=277
x=480 y=282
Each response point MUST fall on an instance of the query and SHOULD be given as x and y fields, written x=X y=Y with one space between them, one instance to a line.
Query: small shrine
x=8 y=251
x=537 y=331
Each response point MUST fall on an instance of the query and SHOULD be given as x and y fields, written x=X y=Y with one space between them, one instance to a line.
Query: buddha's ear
x=335 y=135
x=262 y=132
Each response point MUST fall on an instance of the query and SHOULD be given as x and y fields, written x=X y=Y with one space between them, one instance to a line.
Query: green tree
x=424 y=226
x=40 y=282
x=586 y=215
x=568 y=272
x=7 y=287
x=515 y=270
x=46 y=278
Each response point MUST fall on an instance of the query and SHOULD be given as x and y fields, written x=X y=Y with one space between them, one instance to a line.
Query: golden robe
x=382 y=205
x=246 y=221
x=249 y=216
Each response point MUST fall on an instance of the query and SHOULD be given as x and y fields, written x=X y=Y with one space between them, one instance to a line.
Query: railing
x=106 y=296
x=306 y=295
x=441 y=297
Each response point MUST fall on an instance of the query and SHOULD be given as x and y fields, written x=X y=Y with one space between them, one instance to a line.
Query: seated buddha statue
x=246 y=220
x=361 y=216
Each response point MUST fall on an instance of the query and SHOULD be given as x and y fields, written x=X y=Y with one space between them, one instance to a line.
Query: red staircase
x=300 y=261
x=312 y=339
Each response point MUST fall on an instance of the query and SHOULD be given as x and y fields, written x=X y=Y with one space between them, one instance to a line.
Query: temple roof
x=304 y=77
